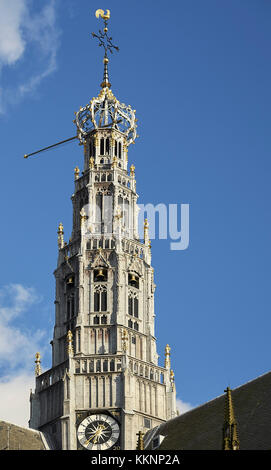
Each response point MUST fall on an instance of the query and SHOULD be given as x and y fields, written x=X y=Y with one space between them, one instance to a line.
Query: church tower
x=105 y=384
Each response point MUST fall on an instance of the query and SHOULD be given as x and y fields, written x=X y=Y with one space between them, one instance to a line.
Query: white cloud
x=17 y=345
x=12 y=43
x=17 y=351
x=23 y=29
x=15 y=393
x=183 y=406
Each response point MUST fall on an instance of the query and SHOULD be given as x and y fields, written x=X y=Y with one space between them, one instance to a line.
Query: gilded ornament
x=124 y=340
x=91 y=163
x=140 y=441
x=76 y=172
x=69 y=341
x=104 y=16
x=38 y=366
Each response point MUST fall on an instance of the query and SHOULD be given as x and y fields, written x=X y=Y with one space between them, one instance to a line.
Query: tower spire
x=105 y=380
x=230 y=437
x=105 y=41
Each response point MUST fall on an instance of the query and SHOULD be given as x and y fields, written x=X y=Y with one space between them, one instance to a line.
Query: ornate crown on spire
x=106 y=111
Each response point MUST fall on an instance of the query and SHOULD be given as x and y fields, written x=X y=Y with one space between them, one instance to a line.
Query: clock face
x=98 y=432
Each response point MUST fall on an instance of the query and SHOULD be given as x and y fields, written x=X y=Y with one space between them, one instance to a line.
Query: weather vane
x=105 y=41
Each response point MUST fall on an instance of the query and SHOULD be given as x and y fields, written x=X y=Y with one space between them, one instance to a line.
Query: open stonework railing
x=104 y=363
x=51 y=376
x=98 y=364
x=104 y=175
x=147 y=371
x=104 y=242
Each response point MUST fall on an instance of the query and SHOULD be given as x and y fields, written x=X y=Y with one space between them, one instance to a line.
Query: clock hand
x=100 y=428
x=88 y=441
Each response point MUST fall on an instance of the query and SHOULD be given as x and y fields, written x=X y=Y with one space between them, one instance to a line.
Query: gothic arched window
x=70 y=306
x=119 y=150
x=100 y=299
x=107 y=146
x=133 y=304
x=104 y=320
x=102 y=147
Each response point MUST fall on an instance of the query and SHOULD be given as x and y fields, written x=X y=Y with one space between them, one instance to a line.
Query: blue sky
x=198 y=74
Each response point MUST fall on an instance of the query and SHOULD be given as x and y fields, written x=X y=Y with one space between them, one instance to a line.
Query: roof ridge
x=216 y=398
x=19 y=426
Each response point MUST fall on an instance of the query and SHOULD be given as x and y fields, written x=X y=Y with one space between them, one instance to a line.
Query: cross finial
x=105 y=41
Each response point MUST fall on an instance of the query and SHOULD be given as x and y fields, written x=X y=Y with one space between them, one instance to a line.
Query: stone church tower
x=105 y=384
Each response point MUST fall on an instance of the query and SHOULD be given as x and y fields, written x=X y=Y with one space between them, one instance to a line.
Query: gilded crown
x=106 y=112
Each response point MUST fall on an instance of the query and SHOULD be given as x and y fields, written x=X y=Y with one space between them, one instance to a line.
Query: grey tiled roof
x=201 y=428
x=14 y=437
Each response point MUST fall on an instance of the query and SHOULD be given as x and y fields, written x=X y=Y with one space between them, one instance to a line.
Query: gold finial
x=76 y=173
x=132 y=170
x=91 y=163
x=60 y=238
x=167 y=356
x=140 y=441
x=230 y=436
x=114 y=162
x=124 y=340
x=69 y=340
x=38 y=366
